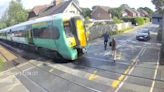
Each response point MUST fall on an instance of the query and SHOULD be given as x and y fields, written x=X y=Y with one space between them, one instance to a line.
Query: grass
x=1 y=63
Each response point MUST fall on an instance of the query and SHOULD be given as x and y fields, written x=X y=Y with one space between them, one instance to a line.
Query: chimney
x=56 y=2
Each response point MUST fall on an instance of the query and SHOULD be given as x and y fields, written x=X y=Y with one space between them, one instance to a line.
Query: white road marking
x=82 y=74
x=130 y=71
x=121 y=84
x=73 y=71
x=143 y=52
x=106 y=60
x=44 y=90
x=8 y=73
x=51 y=70
x=12 y=83
x=155 y=74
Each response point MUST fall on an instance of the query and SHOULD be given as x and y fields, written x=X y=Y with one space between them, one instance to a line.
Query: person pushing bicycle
x=106 y=37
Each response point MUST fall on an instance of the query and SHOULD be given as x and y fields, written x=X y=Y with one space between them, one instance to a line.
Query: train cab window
x=67 y=28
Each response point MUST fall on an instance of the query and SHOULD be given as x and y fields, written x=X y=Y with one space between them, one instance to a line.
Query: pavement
x=136 y=69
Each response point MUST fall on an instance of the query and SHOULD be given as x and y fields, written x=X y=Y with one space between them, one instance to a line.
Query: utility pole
x=162 y=41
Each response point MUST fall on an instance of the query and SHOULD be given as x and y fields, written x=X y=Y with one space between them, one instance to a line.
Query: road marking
x=92 y=76
x=108 y=60
x=13 y=86
x=120 y=81
x=83 y=74
x=51 y=70
x=12 y=83
x=155 y=74
x=40 y=87
x=20 y=65
x=143 y=51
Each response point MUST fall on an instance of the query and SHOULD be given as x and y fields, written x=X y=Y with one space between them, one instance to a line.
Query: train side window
x=20 y=33
x=46 y=32
x=40 y=33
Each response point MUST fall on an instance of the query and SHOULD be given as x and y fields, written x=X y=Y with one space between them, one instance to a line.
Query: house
x=124 y=13
x=59 y=6
x=101 y=13
x=128 y=12
x=35 y=11
x=136 y=12
x=143 y=13
x=156 y=18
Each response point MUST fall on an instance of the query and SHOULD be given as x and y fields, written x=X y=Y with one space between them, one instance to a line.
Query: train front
x=75 y=33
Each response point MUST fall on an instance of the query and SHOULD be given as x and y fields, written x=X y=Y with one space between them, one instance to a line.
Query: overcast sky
x=28 y=4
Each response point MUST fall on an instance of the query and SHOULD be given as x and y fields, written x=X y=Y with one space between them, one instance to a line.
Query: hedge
x=137 y=20
x=140 y=20
x=119 y=31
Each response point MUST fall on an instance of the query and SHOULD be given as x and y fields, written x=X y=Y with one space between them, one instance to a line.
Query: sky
x=29 y=4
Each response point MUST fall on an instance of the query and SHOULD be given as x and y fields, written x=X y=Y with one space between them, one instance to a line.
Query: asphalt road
x=136 y=69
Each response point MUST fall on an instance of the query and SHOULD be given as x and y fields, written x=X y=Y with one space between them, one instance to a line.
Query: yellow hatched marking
x=92 y=76
x=8 y=55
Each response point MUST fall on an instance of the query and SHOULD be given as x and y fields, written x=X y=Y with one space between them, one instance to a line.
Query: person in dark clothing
x=113 y=45
x=106 y=37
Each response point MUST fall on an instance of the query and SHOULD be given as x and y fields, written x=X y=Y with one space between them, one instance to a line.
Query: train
x=63 y=34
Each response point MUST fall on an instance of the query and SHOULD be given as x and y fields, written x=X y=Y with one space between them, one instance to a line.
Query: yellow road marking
x=116 y=83
x=92 y=76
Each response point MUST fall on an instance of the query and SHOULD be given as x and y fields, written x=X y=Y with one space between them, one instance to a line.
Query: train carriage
x=62 y=33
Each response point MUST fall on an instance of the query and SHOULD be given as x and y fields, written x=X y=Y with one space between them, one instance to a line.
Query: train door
x=29 y=34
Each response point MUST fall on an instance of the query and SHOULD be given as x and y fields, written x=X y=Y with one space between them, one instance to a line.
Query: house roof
x=129 y=10
x=156 y=15
x=105 y=8
x=60 y=8
x=134 y=10
x=52 y=9
x=38 y=8
x=143 y=11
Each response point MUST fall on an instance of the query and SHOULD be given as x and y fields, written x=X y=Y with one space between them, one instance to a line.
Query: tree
x=124 y=6
x=148 y=10
x=159 y=5
x=15 y=13
x=116 y=12
x=86 y=12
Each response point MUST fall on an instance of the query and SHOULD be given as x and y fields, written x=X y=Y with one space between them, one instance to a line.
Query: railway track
x=36 y=66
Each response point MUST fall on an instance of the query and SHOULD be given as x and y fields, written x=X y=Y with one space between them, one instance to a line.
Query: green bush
x=117 y=20
x=129 y=19
x=119 y=31
x=140 y=20
x=147 y=19
x=87 y=18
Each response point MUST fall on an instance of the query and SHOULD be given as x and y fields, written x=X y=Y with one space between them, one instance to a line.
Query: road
x=136 y=69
